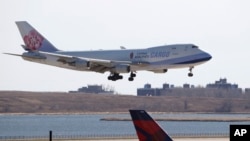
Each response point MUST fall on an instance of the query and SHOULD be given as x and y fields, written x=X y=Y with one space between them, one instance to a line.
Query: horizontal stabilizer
x=31 y=55
x=13 y=54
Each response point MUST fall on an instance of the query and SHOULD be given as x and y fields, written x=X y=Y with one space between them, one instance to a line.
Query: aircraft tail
x=146 y=128
x=33 y=40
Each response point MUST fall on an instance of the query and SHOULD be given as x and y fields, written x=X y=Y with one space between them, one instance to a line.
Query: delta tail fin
x=33 y=40
x=146 y=128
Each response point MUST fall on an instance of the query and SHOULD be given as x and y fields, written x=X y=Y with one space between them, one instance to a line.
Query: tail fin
x=33 y=40
x=146 y=128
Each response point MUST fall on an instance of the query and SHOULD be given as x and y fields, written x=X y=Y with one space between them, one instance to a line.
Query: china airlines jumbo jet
x=155 y=59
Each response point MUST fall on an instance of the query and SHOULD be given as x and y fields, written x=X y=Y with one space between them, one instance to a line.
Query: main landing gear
x=190 y=74
x=117 y=76
x=132 y=75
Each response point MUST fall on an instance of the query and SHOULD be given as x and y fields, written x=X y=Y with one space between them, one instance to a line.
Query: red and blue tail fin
x=146 y=128
x=33 y=40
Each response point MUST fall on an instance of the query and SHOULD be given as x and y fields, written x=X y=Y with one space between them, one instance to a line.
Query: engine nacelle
x=121 y=68
x=160 y=71
x=81 y=64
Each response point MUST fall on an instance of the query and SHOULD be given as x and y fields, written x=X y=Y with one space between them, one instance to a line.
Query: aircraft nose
x=207 y=56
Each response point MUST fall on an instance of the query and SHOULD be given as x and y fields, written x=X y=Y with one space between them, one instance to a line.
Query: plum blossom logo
x=131 y=55
x=33 y=40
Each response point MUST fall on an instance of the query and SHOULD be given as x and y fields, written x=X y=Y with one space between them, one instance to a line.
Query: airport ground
x=201 y=139
x=175 y=139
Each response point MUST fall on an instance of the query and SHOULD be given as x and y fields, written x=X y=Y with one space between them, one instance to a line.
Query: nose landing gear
x=190 y=74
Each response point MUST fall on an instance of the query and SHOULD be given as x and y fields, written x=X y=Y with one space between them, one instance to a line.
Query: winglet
x=146 y=128
x=33 y=40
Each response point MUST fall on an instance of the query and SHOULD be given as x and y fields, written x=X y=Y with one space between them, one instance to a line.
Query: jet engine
x=81 y=64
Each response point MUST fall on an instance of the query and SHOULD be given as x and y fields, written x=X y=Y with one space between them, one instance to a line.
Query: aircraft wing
x=97 y=65
x=92 y=64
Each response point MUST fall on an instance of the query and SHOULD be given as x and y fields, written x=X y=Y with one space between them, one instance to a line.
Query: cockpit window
x=194 y=46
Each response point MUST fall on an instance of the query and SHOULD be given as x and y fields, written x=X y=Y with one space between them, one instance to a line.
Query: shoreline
x=110 y=113
x=201 y=119
x=186 y=119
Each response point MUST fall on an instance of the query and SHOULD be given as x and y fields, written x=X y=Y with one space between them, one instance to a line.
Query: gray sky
x=220 y=27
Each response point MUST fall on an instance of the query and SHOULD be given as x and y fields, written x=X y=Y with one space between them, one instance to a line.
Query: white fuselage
x=157 y=59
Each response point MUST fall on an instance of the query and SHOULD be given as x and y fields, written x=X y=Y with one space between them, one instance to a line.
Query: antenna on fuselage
x=122 y=47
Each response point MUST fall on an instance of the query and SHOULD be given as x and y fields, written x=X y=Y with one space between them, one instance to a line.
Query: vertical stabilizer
x=33 y=40
x=146 y=128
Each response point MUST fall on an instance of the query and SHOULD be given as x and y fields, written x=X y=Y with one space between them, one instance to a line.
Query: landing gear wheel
x=110 y=78
x=115 y=76
x=119 y=77
x=190 y=74
x=130 y=78
x=132 y=75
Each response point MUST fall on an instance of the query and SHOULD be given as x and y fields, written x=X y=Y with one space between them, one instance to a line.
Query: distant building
x=148 y=91
x=96 y=89
x=220 y=88
x=222 y=84
x=247 y=90
x=166 y=86
x=186 y=85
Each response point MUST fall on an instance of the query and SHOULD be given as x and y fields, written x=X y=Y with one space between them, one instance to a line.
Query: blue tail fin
x=33 y=40
x=146 y=128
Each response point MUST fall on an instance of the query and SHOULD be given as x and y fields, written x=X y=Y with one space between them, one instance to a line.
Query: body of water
x=90 y=124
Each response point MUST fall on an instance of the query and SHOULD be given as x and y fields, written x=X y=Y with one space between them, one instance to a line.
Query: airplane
x=155 y=59
x=146 y=128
